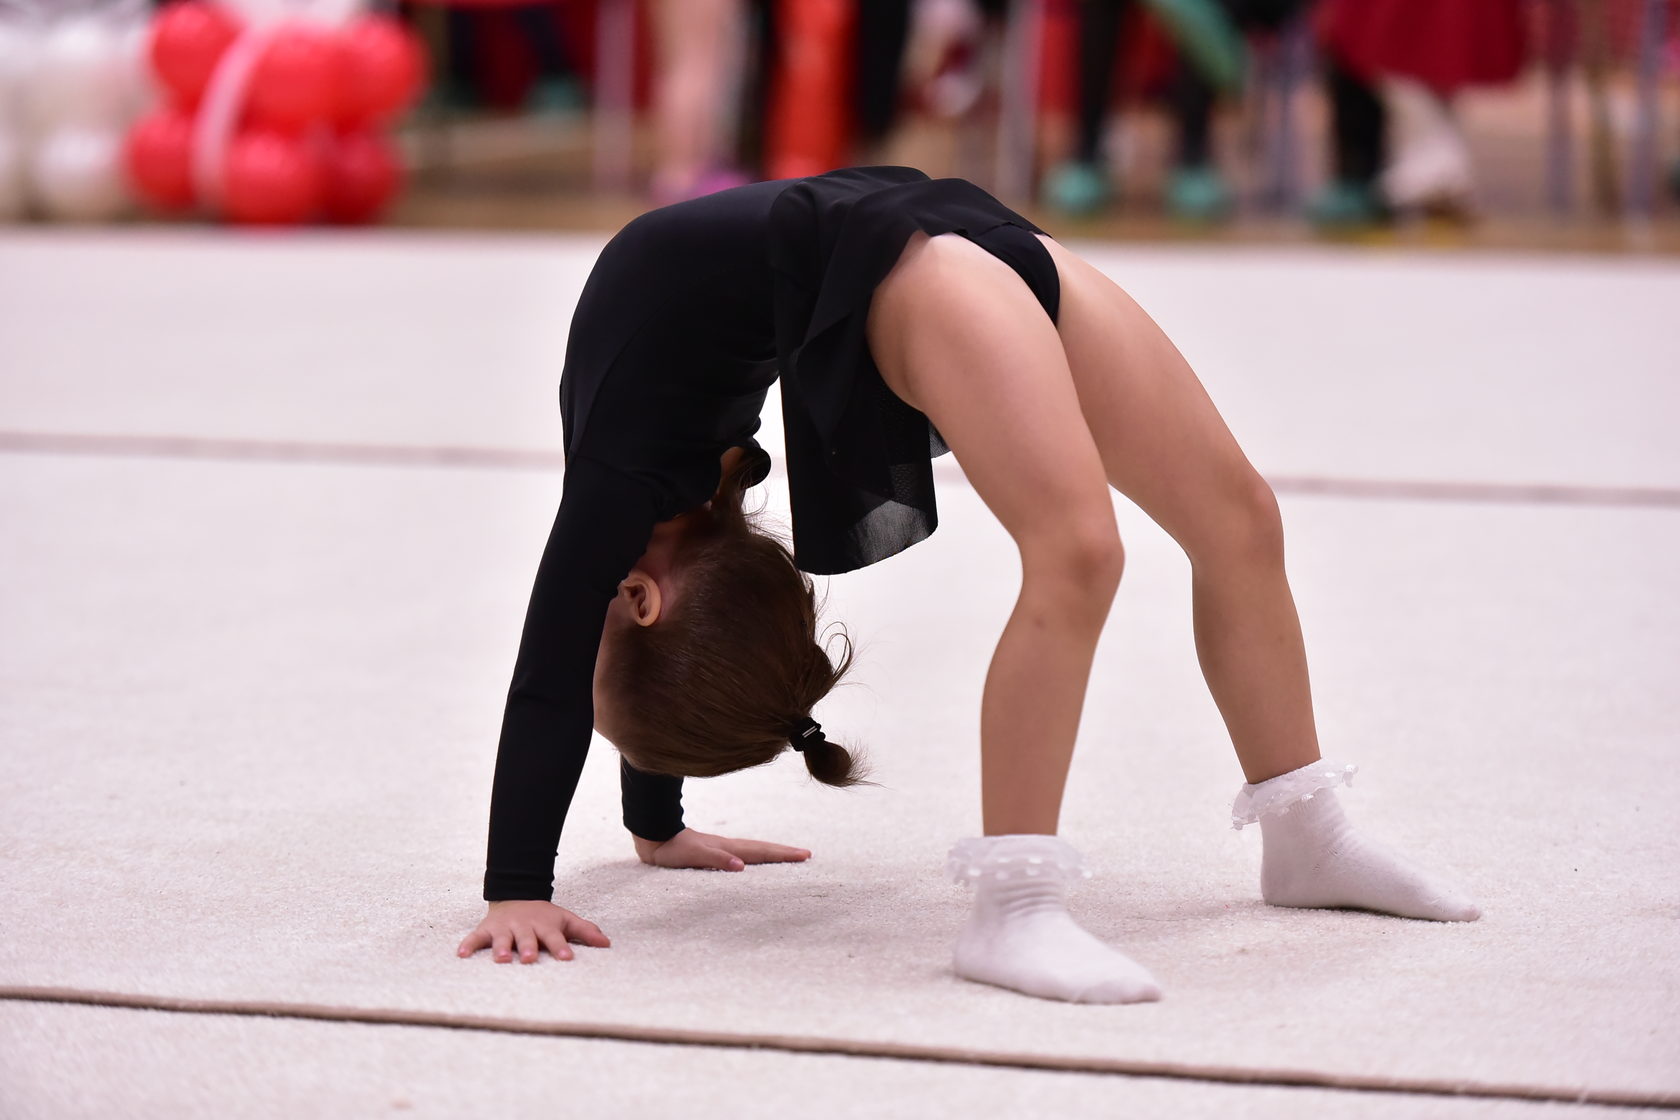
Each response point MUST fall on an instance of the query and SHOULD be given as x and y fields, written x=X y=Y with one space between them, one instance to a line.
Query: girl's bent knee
x=1248 y=527
x=1262 y=521
x=1081 y=562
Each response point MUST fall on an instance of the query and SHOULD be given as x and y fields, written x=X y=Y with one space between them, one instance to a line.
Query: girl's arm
x=605 y=521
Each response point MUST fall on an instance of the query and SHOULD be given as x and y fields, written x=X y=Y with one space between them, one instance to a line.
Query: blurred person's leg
x=1359 y=126
x=757 y=83
x=695 y=41
x=1099 y=37
x=555 y=89
x=1359 y=143
x=1423 y=53
x=1195 y=190
x=1430 y=172
x=883 y=30
x=460 y=78
x=942 y=52
x=1080 y=185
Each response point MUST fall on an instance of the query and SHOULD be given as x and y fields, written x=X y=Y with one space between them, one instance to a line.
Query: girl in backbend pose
x=905 y=317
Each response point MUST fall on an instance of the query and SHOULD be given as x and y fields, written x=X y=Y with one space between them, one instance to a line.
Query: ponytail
x=833 y=765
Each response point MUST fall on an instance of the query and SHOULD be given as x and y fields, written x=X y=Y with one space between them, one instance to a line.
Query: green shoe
x=1345 y=204
x=561 y=96
x=1078 y=190
x=1198 y=194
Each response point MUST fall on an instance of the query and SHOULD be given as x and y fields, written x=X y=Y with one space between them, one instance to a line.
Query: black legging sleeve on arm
x=652 y=802
x=605 y=521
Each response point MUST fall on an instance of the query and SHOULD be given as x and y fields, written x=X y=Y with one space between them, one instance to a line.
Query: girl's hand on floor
x=689 y=848
x=530 y=925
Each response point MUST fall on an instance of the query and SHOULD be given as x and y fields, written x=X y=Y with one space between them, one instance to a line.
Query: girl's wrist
x=645 y=847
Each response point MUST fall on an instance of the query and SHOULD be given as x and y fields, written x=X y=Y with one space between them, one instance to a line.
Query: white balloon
x=12 y=197
x=77 y=174
x=81 y=76
x=19 y=44
x=144 y=92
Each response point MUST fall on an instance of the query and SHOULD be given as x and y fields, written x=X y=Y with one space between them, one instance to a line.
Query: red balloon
x=383 y=68
x=295 y=82
x=362 y=175
x=159 y=159
x=188 y=39
x=271 y=178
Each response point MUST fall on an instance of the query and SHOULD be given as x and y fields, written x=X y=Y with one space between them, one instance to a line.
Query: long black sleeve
x=605 y=521
x=652 y=803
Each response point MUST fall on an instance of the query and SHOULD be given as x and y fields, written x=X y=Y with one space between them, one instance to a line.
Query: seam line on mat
x=1181 y=1071
x=419 y=455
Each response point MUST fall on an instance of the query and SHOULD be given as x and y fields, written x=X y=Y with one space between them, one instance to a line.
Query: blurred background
x=1507 y=123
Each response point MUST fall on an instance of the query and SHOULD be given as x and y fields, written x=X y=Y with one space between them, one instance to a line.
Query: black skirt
x=859 y=458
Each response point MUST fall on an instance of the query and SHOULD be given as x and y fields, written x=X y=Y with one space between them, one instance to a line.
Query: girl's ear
x=641 y=593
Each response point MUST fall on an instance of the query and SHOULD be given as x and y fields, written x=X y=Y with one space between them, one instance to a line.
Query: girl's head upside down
x=709 y=659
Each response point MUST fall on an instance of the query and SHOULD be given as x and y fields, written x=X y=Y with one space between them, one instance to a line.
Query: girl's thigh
x=958 y=335
x=1163 y=443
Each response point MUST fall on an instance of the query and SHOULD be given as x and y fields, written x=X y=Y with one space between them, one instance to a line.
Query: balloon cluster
x=275 y=120
x=71 y=80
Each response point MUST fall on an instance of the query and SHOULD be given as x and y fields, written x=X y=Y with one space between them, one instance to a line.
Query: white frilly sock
x=1020 y=935
x=1312 y=857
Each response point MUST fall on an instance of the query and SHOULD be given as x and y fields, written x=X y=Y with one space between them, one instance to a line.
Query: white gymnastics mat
x=271 y=508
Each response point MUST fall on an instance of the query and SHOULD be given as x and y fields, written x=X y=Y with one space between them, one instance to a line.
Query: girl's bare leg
x=1165 y=446
x=957 y=334
x=694 y=38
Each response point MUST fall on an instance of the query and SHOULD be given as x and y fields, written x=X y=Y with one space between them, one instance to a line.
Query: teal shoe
x=1198 y=194
x=1344 y=204
x=560 y=96
x=1077 y=190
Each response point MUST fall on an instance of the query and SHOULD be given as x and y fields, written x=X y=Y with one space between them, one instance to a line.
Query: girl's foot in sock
x=1312 y=856
x=1020 y=935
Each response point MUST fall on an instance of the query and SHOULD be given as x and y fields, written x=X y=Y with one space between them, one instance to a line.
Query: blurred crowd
x=736 y=90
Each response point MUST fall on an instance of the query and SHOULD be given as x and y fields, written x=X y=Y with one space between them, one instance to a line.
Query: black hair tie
x=803 y=731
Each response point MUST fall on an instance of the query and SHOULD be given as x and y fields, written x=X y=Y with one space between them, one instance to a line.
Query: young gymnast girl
x=905 y=317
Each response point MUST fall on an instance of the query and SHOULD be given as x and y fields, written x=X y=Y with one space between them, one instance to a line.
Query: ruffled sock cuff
x=1276 y=796
x=1016 y=855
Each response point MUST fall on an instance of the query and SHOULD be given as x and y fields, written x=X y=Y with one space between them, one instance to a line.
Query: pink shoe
x=709 y=182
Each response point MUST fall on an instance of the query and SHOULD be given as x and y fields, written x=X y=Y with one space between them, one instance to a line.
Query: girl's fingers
x=555 y=941
x=696 y=850
x=502 y=947
x=723 y=860
x=529 y=946
x=587 y=932
x=759 y=851
x=475 y=941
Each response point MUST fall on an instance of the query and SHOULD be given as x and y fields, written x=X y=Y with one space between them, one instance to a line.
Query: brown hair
x=719 y=682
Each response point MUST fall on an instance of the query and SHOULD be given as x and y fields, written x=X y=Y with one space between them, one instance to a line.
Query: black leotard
x=689 y=315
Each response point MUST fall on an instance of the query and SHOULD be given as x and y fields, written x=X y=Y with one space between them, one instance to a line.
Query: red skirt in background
x=1445 y=44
